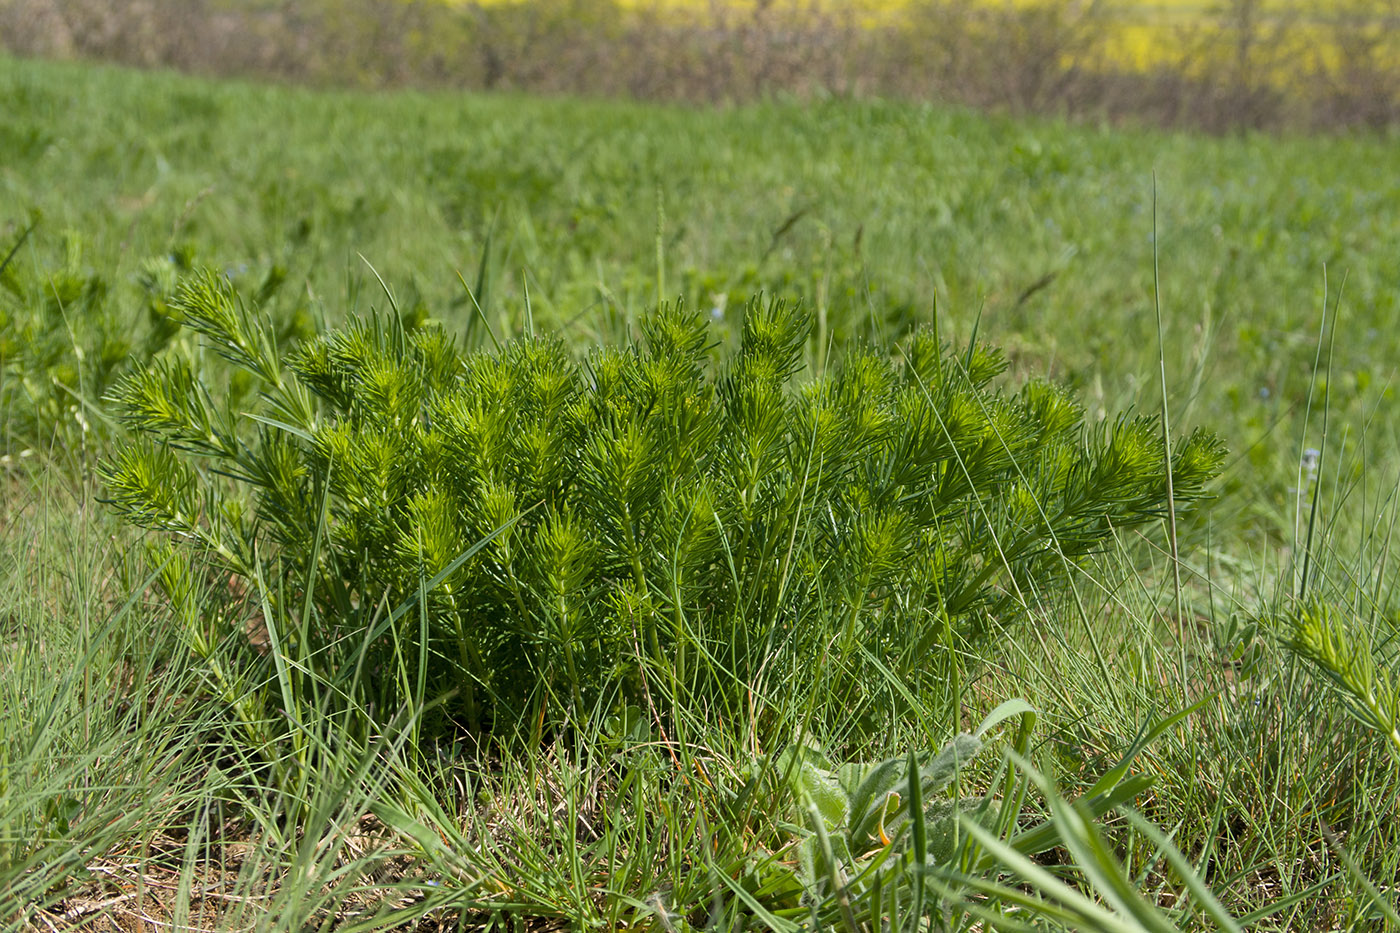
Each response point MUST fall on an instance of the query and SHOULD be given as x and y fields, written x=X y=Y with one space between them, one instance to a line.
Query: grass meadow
x=1206 y=737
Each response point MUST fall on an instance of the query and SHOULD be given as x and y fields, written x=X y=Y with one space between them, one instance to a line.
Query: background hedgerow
x=1261 y=64
x=560 y=520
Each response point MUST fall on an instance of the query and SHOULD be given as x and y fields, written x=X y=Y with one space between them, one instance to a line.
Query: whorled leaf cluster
x=535 y=531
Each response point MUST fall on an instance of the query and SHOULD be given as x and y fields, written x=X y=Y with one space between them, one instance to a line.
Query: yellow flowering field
x=1135 y=34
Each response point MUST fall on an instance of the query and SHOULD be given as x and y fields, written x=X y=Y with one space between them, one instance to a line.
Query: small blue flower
x=1311 y=457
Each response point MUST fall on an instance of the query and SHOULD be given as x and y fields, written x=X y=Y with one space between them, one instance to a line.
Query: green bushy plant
x=537 y=534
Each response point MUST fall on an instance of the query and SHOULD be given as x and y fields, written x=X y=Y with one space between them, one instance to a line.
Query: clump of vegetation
x=670 y=808
x=1363 y=674
x=541 y=535
x=66 y=339
x=60 y=343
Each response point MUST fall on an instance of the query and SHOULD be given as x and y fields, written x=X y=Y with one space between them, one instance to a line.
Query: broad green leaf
x=1013 y=707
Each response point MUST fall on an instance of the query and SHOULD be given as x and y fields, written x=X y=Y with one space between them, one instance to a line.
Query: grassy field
x=137 y=787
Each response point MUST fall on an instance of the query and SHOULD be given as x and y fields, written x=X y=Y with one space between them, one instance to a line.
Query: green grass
x=869 y=211
x=129 y=794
